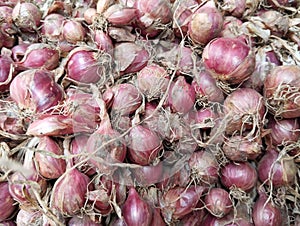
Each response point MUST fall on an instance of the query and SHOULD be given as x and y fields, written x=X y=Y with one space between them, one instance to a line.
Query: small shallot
x=245 y=109
x=105 y=146
x=52 y=26
x=229 y=60
x=242 y=148
x=136 y=211
x=179 y=201
x=218 y=202
x=39 y=56
x=281 y=90
x=238 y=175
x=182 y=96
x=265 y=212
x=277 y=169
x=284 y=131
x=73 y=31
x=6 y=202
x=144 y=145
x=120 y=15
x=151 y=14
x=49 y=166
x=153 y=81
x=206 y=23
x=130 y=57
x=36 y=90
x=6 y=75
x=84 y=65
x=204 y=166
x=27 y=16
x=206 y=88
x=69 y=192
x=126 y=99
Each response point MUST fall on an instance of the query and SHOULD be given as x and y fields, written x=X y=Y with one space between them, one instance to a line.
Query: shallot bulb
x=69 y=192
x=179 y=201
x=105 y=146
x=266 y=60
x=6 y=202
x=27 y=217
x=204 y=166
x=36 y=90
x=7 y=29
x=284 y=131
x=181 y=96
x=120 y=15
x=206 y=88
x=281 y=91
x=174 y=175
x=179 y=58
x=151 y=14
x=242 y=148
x=103 y=41
x=126 y=99
x=231 y=27
x=48 y=166
x=103 y=5
x=100 y=199
x=78 y=147
x=245 y=110
x=84 y=65
x=236 y=8
x=18 y=51
x=27 y=16
x=25 y=185
x=73 y=32
x=218 y=202
x=144 y=145
x=151 y=117
x=90 y=15
x=277 y=169
x=102 y=154
x=121 y=34
x=53 y=125
x=206 y=23
x=275 y=21
x=182 y=11
x=265 y=212
x=229 y=60
x=204 y=118
x=130 y=57
x=52 y=26
x=21 y=190
x=6 y=75
x=107 y=189
x=153 y=81
x=10 y=122
x=147 y=175
x=136 y=211
x=238 y=175
x=39 y=56
x=83 y=109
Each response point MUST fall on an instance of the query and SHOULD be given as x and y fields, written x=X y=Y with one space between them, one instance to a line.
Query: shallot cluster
x=150 y=113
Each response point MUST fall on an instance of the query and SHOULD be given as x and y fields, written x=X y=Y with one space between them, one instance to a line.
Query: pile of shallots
x=150 y=112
